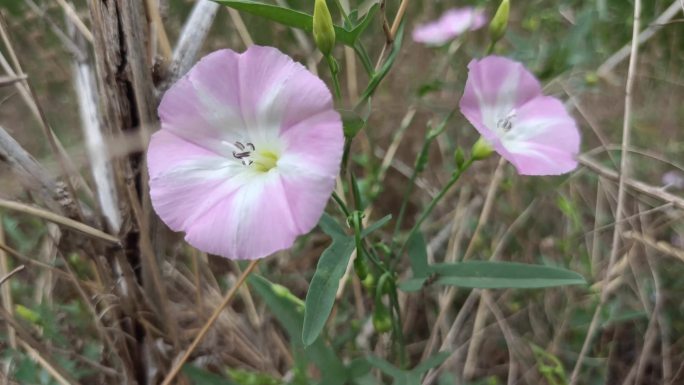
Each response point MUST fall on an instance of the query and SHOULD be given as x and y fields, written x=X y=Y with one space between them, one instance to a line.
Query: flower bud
x=323 y=31
x=382 y=319
x=459 y=157
x=497 y=27
x=481 y=149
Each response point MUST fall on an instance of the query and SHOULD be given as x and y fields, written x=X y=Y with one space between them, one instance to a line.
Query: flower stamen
x=506 y=123
x=244 y=155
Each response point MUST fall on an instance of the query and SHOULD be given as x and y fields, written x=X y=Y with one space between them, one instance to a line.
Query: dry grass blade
x=225 y=302
x=11 y=273
x=73 y=16
x=623 y=177
x=9 y=80
x=59 y=219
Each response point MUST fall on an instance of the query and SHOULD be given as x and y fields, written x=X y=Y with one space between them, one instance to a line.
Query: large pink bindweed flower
x=247 y=154
x=450 y=25
x=505 y=103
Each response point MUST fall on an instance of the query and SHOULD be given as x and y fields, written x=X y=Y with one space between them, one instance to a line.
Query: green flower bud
x=28 y=314
x=481 y=149
x=382 y=320
x=369 y=282
x=459 y=158
x=497 y=27
x=323 y=31
x=360 y=267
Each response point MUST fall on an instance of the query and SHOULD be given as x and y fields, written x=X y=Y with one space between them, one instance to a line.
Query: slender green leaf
x=331 y=267
x=499 y=275
x=298 y=19
x=381 y=222
x=417 y=252
x=412 y=284
x=386 y=66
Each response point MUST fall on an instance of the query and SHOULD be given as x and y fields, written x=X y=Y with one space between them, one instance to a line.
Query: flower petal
x=450 y=25
x=203 y=107
x=495 y=86
x=187 y=180
x=544 y=139
x=253 y=222
x=315 y=144
x=282 y=114
x=277 y=92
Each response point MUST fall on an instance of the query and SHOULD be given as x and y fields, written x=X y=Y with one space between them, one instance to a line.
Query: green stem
x=408 y=191
x=343 y=12
x=398 y=326
x=363 y=56
x=490 y=48
x=454 y=178
x=334 y=69
x=430 y=136
x=341 y=204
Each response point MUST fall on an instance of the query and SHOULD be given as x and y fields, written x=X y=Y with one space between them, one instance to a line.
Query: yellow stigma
x=265 y=160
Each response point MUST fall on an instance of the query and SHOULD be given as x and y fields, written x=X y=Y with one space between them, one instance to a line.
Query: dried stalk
x=192 y=37
x=98 y=153
x=624 y=176
x=60 y=220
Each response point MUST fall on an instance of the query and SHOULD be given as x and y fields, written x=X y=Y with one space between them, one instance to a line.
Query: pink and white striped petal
x=449 y=26
x=247 y=155
x=505 y=103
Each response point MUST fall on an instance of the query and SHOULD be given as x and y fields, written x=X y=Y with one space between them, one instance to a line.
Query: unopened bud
x=499 y=23
x=481 y=149
x=323 y=30
x=382 y=319
x=459 y=157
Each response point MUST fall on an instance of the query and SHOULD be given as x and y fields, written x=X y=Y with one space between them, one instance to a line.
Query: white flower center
x=505 y=124
x=261 y=160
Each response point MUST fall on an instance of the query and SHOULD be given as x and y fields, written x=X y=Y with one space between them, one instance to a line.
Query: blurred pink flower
x=673 y=179
x=451 y=24
x=247 y=155
x=505 y=103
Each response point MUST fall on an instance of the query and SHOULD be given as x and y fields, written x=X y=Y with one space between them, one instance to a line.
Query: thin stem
x=334 y=69
x=363 y=56
x=341 y=204
x=454 y=178
x=398 y=326
x=217 y=312
x=398 y=18
x=408 y=191
x=343 y=12
x=431 y=135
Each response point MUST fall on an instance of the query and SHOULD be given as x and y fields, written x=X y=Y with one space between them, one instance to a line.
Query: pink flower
x=247 y=154
x=449 y=26
x=505 y=103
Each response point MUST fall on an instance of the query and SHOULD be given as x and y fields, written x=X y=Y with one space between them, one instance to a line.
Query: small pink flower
x=247 y=154
x=505 y=103
x=450 y=25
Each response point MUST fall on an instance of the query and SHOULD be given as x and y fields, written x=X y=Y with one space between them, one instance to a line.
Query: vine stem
x=454 y=178
x=217 y=312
